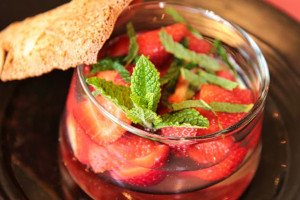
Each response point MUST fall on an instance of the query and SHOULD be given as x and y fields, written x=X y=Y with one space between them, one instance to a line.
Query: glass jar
x=224 y=173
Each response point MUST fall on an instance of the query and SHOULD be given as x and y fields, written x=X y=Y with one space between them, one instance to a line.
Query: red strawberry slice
x=198 y=45
x=140 y=158
x=181 y=89
x=99 y=128
x=225 y=74
x=119 y=80
x=213 y=93
x=120 y=46
x=210 y=153
x=139 y=152
x=223 y=169
x=179 y=149
x=150 y=45
x=139 y=176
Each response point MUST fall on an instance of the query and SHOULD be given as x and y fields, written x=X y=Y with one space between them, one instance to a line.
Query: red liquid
x=98 y=188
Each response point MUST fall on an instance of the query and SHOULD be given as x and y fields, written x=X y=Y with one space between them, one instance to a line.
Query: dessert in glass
x=172 y=109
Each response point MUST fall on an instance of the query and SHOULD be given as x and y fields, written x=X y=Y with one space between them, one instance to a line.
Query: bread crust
x=61 y=38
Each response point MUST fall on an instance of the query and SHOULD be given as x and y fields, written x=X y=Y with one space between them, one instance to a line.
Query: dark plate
x=30 y=110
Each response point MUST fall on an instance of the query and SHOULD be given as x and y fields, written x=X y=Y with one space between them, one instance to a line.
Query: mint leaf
x=133 y=45
x=112 y=64
x=145 y=86
x=172 y=72
x=118 y=94
x=223 y=54
x=230 y=107
x=177 y=17
x=143 y=116
x=193 y=78
x=181 y=52
x=183 y=118
x=213 y=79
x=190 y=104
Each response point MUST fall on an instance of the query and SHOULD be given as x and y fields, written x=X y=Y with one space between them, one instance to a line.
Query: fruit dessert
x=176 y=91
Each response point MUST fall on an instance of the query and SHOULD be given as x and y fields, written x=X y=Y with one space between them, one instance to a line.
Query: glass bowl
x=219 y=165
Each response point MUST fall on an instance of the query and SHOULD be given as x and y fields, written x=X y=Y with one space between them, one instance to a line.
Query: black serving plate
x=30 y=110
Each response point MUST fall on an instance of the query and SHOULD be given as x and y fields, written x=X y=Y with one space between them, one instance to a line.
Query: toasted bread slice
x=61 y=38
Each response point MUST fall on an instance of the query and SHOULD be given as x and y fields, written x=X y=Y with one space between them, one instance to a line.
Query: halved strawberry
x=119 y=80
x=210 y=153
x=139 y=176
x=119 y=47
x=99 y=128
x=139 y=160
x=197 y=44
x=150 y=45
x=221 y=170
x=225 y=74
x=181 y=89
x=213 y=93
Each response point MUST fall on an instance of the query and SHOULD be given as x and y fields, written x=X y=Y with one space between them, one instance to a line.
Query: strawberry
x=210 y=153
x=181 y=89
x=221 y=170
x=225 y=74
x=99 y=128
x=150 y=45
x=198 y=45
x=119 y=80
x=108 y=75
x=213 y=93
x=119 y=47
x=139 y=176
x=139 y=160
x=179 y=131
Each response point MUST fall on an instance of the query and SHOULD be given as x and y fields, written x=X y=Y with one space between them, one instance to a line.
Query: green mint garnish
x=143 y=116
x=223 y=54
x=183 y=118
x=213 y=106
x=190 y=104
x=145 y=86
x=177 y=17
x=230 y=107
x=193 y=78
x=216 y=80
x=179 y=51
x=133 y=45
x=118 y=94
x=112 y=64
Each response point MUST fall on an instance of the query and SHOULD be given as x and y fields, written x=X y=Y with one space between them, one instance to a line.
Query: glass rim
x=257 y=106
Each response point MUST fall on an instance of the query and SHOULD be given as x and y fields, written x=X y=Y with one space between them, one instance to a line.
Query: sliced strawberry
x=140 y=158
x=179 y=149
x=108 y=75
x=225 y=74
x=198 y=45
x=213 y=93
x=139 y=176
x=180 y=91
x=99 y=128
x=210 y=153
x=150 y=45
x=119 y=80
x=139 y=152
x=221 y=170
x=120 y=46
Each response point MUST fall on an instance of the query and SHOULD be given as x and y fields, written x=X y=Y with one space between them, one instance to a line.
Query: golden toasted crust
x=61 y=38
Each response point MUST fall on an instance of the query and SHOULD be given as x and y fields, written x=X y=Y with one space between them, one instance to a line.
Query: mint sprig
x=118 y=94
x=145 y=86
x=230 y=107
x=133 y=45
x=183 y=118
x=179 y=51
x=193 y=78
x=216 y=80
